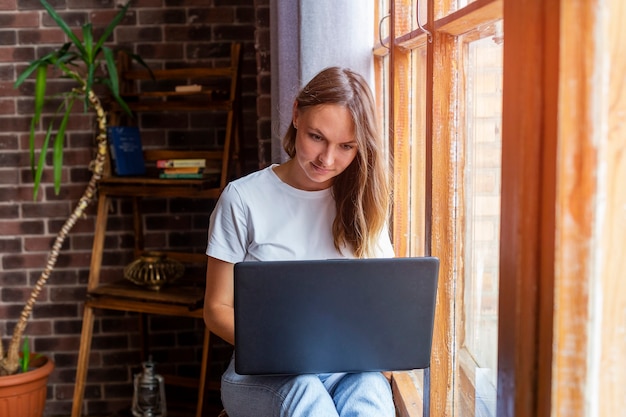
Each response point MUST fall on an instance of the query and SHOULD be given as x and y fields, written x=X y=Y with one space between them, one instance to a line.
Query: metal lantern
x=149 y=393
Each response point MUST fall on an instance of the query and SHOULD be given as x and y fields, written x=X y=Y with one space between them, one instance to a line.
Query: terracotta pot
x=24 y=395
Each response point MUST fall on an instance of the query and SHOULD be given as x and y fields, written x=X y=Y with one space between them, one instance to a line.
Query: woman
x=329 y=200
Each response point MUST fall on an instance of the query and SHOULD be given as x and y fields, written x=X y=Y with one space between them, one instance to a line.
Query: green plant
x=89 y=63
x=26 y=357
x=89 y=55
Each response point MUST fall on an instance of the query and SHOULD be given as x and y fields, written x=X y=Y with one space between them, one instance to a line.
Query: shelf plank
x=123 y=295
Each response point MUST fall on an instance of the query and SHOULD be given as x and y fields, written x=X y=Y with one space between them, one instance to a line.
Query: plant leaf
x=61 y=23
x=91 y=69
x=118 y=98
x=57 y=155
x=64 y=55
x=40 y=90
x=142 y=63
x=88 y=42
x=32 y=67
x=61 y=64
x=40 y=98
x=31 y=145
x=25 y=359
x=112 y=70
x=111 y=26
x=89 y=60
x=42 y=158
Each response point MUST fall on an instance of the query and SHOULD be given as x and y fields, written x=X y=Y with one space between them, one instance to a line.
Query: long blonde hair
x=362 y=192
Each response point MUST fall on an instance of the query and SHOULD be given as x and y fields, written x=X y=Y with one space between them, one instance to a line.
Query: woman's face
x=325 y=145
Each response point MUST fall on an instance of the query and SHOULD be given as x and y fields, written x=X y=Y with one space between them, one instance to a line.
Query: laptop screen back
x=343 y=315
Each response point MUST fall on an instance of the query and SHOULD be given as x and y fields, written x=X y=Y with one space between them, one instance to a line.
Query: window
x=479 y=211
x=442 y=96
x=560 y=133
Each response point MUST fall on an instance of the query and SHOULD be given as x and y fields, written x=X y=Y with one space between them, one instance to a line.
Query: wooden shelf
x=183 y=299
x=177 y=106
x=188 y=297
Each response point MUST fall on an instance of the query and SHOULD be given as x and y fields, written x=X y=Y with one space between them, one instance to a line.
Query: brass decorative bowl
x=153 y=270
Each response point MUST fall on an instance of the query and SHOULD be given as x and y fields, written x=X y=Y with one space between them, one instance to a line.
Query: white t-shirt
x=261 y=218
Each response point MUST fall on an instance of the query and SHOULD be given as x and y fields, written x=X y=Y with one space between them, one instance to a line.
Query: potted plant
x=88 y=63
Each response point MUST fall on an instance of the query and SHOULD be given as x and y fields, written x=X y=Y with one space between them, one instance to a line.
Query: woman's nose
x=326 y=157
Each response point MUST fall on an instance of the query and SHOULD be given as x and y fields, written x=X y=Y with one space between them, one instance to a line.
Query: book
x=126 y=150
x=179 y=163
x=204 y=174
x=183 y=170
x=198 y=175
x=192 y=88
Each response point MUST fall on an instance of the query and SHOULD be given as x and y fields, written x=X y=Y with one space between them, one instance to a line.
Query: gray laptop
x=343 y=315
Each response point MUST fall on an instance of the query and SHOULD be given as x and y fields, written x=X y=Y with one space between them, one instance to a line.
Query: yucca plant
x=88 y=63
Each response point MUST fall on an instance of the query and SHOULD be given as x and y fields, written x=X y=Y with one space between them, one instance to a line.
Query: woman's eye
x=316 y=137
x=347 y=147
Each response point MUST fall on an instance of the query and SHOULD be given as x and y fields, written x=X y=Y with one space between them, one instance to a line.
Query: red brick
x=151 y=3
x=16 y=227
x=103 y=17
x=73 y=20
x=67 y=294
x=160 y=51
x=68 y=326
x=6 y=107
x=161 y=16
x=16 y=54
x=19 y=20
x=8 y=37
x=8 y=4
x=39 y=210
x=9 y=176
x=10 y=245
x=40 y=36
x=211 y=15
x=57 y=344
x=39 y=328
x=245 y=15
x=12 y=278
x=9 y=211
x=234 y=33
x=133 y=34
x=264 y=106
x=38 y=244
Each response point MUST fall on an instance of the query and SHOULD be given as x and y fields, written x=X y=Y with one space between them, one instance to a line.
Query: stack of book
x=182 y=168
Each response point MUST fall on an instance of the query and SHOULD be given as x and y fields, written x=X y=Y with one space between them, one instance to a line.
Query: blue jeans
x=366 y=394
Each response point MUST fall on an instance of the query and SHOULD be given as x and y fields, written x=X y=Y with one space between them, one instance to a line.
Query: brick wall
x=166 y=33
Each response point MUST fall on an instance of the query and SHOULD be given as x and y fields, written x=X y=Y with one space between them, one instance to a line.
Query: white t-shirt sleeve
x=228 y=232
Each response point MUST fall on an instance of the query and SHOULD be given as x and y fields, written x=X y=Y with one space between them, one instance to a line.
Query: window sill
x=408 y=394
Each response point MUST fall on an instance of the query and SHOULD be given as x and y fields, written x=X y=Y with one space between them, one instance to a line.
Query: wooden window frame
x=555 y=69
x=442 y=93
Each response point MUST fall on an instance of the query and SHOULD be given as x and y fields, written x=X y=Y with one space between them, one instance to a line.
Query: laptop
x=339 y=315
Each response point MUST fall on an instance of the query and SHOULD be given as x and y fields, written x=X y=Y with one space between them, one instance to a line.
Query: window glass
x=462 y=3
x=440 y=98
x=417 y=174
x=478 y=337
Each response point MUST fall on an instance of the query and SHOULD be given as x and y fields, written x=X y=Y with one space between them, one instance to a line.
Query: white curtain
x=308 y=36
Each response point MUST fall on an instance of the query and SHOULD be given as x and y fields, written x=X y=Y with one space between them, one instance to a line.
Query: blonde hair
x=362 y=192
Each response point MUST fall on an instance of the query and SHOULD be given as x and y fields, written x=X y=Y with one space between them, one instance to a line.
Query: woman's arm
x=219 y=312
